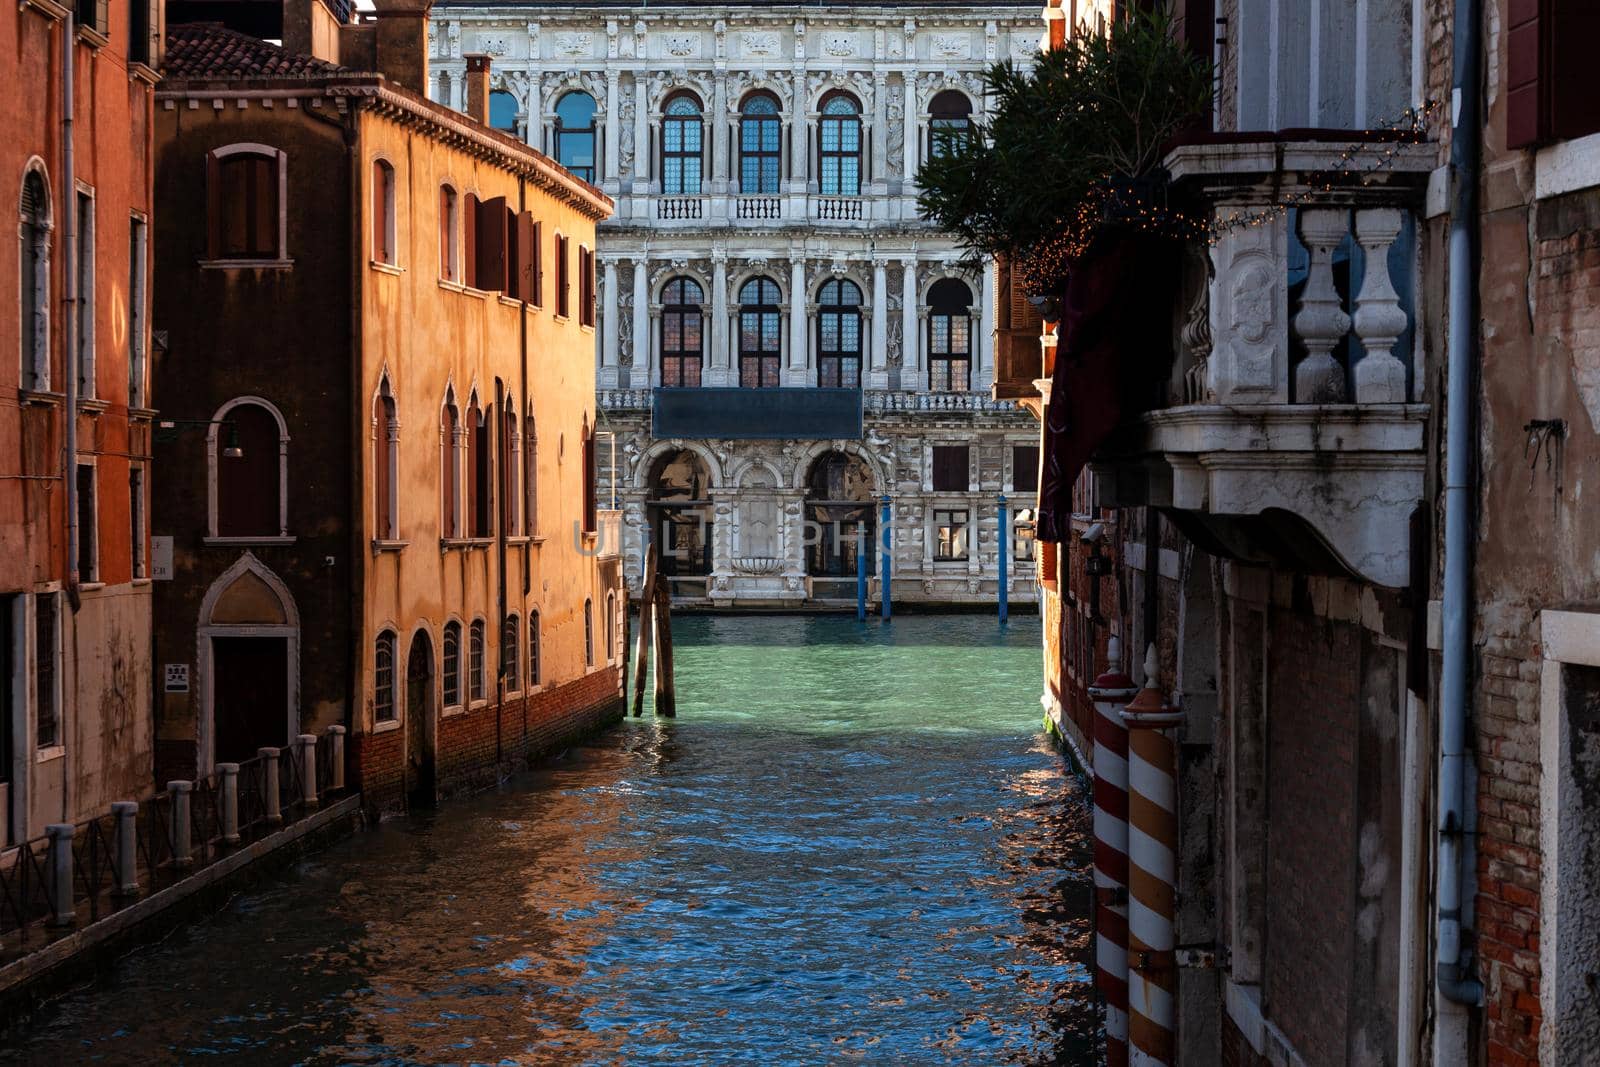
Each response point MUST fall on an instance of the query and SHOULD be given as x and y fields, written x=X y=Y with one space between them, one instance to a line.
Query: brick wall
x=1311 y=739
x=475 y=747
x=1236 y=1051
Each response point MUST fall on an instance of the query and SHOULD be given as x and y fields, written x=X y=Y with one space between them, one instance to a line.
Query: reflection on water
x=852 y=845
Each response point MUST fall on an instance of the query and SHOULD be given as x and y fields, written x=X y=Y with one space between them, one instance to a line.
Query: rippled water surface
x=852 y=845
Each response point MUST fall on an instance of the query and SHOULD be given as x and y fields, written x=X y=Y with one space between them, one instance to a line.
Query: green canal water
x=853 y=845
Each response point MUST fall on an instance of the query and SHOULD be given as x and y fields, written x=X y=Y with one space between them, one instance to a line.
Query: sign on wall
x=161 y=559
x=177 y=678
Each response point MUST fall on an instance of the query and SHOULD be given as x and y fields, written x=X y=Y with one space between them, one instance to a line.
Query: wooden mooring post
x=655 y=630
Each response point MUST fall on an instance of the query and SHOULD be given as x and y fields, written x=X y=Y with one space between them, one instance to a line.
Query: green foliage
x=1099 y=110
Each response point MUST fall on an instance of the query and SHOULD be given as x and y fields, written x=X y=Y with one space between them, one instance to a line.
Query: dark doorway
x=843 y=514
x=250 y=695
x=680 y=514
x=8 y=712
x=420 y=783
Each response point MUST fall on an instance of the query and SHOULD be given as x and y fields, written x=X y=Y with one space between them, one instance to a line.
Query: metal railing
x=79 y=873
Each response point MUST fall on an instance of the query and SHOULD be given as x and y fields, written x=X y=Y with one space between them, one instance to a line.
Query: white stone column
x=913 y=133
x=639 y=376
x=878 y=375
x=720 y=370
x=1379 y=319
x=613 y=139
x=641 y=133
x=719 y=135
x=609 y=354
x=913 y=375
x=796 y=374
x=880 y=126
x=798 y=130
x=458 y=85
x=986 y=323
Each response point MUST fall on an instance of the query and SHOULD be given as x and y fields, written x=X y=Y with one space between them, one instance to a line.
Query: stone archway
x=841 y=515
x=248 y=643
x=682 y=526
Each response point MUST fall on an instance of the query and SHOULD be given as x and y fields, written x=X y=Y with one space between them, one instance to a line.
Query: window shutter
x=538 y=263
x=1523 y=90
x=469 y=241
x=1574 y=97
x=214 y=206
x=446 y=267
x=152 y=31
x=950 y=468
x=380 y=217
x=492 y=244
x=102 y=15
x=1017 y=354
x=527 y=258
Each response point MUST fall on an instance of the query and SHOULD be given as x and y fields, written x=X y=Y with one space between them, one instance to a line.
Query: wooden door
x=250 y=695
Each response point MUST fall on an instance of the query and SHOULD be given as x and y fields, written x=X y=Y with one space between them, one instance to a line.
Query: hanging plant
x=1073 y=146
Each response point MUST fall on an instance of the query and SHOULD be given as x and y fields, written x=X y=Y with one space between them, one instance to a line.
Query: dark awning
x=757 y=414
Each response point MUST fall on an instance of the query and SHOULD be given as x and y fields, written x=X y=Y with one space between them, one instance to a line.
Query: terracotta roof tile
x=210 y=50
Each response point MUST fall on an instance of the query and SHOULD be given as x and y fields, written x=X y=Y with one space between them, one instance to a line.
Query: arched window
x=840 y=146
x=383 y=225
x=949 y=123
x=841 y=503
x=475 y=661
x=760 y=334
x=452 y=664
x=530 y=476
x=760 y=144
x=383 y=678
x=385 y=465
x=480 y=489
x=950 y=336
x=508 y=469
x=591 y=503
x=574 y=134
x=245 y=200
x=678 y=509
x=535 y=665
x=450 y=441
x=682 y=136
x=35 y=275
x=503 y=111
x=510 y=647
x=449 y=235
x=839 y=335
x=611 y=627
x=248 y=446
x=681 y=336
x=588 y=633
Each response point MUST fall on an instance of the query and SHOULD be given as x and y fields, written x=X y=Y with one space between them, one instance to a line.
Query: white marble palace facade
x=783 y=343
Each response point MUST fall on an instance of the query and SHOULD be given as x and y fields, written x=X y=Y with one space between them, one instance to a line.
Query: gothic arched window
x=840 y=146
x=682 y=339
x=839 y=335
x=760 y=144
x=760 y=334
x=682 y=137
x=574 y=134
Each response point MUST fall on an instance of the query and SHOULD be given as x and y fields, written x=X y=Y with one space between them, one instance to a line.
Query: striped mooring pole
x=1152 y=873
x=1110 y=692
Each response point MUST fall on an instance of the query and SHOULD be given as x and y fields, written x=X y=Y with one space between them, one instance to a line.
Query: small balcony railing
x=838 y=208
x=758 y=208
x=675 y=208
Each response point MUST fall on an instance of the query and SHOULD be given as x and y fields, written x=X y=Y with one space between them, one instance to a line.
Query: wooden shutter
x=493 y=244
x=589 y=516
x=527 y=258
x=1016 y=350
x=1573 y=90
x=1523 y=105
x=380 y=217
x=213 y=206
x=950 y=468
x=469 y=240
x=538 y=263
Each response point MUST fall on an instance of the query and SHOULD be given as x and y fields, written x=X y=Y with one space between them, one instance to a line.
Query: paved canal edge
x=28 y=982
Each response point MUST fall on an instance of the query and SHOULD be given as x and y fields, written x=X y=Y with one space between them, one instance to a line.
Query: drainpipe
x=69 y=331
x=1456 y=789
x=500 y=537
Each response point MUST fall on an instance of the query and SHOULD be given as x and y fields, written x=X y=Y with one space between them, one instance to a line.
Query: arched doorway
x=679 y=499
x=420 y=776
x=839 y=503
x=248 y=642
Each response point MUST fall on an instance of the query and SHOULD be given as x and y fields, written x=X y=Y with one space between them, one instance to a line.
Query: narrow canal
x=854 y=844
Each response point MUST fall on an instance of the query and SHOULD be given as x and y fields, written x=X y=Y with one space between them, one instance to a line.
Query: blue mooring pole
x=1005 y=551
x=886 y=610
x=861 y=572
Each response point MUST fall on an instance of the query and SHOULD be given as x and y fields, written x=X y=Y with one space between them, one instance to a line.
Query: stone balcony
x=714 y=210
x=1291 y=428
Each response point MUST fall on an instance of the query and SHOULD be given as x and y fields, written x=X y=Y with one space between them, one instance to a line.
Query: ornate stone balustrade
x=874 y=401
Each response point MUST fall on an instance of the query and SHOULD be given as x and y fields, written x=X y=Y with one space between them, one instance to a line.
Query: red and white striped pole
x=1152 y=873
x=1110 y=692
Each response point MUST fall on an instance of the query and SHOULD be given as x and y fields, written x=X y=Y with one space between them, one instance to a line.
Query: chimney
x=402 y=42
x=478 y=87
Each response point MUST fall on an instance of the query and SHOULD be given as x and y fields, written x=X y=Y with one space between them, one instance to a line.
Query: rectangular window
x=950 y=468
x=244 y=205
x=950 y=532
x=47 y=727
x=86 y=297
x=493 y=245
x=138 y=307
x=469 y=241
x=1025 y=468
x=383 y=250
x=538 y=264
x=88 y=547
x=563 y=283
x=136 y=522
x=586 y=310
